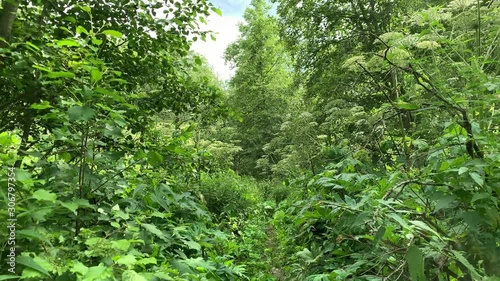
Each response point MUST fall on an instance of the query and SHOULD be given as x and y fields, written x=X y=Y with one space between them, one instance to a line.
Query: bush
x=227 y=194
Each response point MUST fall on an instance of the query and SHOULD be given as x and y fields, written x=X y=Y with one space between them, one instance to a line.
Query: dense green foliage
x=357 y=140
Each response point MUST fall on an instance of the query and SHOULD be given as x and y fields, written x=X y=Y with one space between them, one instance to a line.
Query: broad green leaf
x=5 y=139
x=198 y=60
x=405 y=105
x=84 y=113
x=68 y=42
x=199 y=263
x=113 y=33
x=480 y=196
x=44 y=195
x=153 y=229
x=96 y=74
x=42 y=105
x=72 y=206
x=94 y=273
x=95 y=240
x=22 y=176
x=477 y=178
x=192 y=245
x=130 y=275
x=70 y=19
x=217 y=11
x=127 y=260
x=60 y=74
x=85 y=8
x=305 y=254
x=445 y=202
x=30 y=263
x=33 y=235
x=122 y=244
x=96 y=41
x=154 y=158
x=81 y=29
x=415 y=261
x=147 y=261
x=79 y=268
x=462 y=170
x=32 y=274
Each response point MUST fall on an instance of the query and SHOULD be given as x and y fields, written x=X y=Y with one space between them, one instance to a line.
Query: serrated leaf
x=147 y=261
x=192 y=245
x=113 y=33
x=29 y=273
x=153 y=229
x=79 y=268
x=130 y=275
x=44 y=195
x=415 y=261
x=30 y=263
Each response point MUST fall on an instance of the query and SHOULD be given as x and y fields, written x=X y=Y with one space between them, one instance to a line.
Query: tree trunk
x=7 y=17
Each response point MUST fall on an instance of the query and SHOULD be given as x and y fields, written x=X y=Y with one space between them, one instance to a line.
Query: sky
x=226 y=28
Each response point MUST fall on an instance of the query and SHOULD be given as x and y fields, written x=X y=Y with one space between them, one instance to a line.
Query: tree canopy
x=357 y=140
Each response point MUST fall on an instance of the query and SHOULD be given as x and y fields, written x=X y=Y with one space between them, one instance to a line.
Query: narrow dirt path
x=272 y=244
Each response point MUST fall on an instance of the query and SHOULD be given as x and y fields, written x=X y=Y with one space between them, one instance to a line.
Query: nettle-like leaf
x=44 y=195
x=415 y=261
x=33 y=265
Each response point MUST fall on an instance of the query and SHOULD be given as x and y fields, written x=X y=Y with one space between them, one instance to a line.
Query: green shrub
x=227 y=194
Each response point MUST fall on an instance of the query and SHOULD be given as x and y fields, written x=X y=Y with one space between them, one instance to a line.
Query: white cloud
x=226 y=28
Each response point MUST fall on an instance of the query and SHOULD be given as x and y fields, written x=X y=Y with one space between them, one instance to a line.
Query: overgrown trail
x=272 y=248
